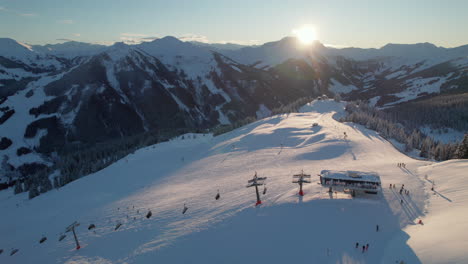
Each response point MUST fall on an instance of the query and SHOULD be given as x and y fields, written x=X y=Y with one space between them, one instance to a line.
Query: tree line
x=388 y=127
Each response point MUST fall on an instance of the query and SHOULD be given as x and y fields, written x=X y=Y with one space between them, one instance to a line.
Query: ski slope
x=317 y=228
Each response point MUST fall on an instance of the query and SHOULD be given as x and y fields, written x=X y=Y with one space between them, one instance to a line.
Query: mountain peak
x=169 y=39
x=12 y=48
x=425 y=45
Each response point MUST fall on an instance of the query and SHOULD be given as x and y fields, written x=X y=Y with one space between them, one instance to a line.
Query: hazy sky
x=365 y=23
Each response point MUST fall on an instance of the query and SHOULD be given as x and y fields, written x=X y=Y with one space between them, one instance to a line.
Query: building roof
x=351 y=175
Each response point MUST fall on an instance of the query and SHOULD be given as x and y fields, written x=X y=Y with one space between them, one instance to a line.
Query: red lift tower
x=72 y=228
x=256 y=181
x=301 y=179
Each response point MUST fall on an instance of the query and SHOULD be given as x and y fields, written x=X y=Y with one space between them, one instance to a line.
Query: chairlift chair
x=117 y=226
x=43 y=239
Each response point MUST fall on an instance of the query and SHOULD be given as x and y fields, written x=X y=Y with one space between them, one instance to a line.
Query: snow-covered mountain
x=189 y=170
x=75 y=93
x=70 y=49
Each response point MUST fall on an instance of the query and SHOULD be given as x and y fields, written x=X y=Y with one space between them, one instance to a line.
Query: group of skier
x=401 y=165
x=366 y=246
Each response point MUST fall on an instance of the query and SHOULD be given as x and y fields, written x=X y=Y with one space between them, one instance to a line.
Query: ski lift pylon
x=301 y=179
x=72 y=228
x=255 y=182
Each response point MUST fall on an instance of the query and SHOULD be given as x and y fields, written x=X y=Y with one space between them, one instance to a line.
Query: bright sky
x=358 y=23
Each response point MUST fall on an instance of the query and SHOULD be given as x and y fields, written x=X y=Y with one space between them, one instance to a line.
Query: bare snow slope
x=442 y=239
x=317 y=229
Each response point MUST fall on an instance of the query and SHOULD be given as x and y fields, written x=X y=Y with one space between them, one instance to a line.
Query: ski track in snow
x=316 y=228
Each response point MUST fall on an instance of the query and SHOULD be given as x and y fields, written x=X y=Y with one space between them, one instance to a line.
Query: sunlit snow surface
x=318 y=228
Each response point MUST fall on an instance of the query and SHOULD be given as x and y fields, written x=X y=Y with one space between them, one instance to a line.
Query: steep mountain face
x=76 y=93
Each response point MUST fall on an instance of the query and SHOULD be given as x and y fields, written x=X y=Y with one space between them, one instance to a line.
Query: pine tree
x=18 y=187
x=33 y=192
x=462 y=149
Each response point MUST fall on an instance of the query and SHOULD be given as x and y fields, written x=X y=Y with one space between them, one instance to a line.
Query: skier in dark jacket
x=363 y=248
x=357 y=244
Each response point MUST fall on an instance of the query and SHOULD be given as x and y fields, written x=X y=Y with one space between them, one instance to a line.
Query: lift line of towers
x=254 y=182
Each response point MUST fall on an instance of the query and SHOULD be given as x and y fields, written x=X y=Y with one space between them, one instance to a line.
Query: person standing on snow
x=363 y=248
x=377 y=228
x=357 y=244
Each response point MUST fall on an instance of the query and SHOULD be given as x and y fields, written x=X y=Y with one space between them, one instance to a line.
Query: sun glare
x=306 y=34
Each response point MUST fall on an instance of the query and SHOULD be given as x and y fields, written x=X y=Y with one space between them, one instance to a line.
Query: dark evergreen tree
x=18 y=187
x=462 y=149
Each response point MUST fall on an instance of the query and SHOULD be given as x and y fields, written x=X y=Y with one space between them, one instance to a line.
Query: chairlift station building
x=352 y=181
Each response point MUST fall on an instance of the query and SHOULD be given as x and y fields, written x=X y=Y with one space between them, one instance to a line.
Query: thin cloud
x=133 y=35
x=76 y=34
x=4 y=9
x=251 y=42
x=205 y=39
x=65 y=21
x=135 y=38
x=28 y=14
x=64 y=39
x=194 y=37
x=130 y=40
x=149 y=38
x=105 y=43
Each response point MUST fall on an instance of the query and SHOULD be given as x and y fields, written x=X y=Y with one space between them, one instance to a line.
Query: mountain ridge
x=169 y=84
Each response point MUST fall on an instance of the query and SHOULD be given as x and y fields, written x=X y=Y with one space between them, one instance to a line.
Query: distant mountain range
x=74 y=92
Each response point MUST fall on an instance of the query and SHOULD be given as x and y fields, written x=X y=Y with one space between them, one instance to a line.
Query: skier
x=363 y=248
x=357 y=244
x=401 y=190
x=377 y=228
x=401 y=201
x=390 y=185
x=367 y=247
x=185 y=209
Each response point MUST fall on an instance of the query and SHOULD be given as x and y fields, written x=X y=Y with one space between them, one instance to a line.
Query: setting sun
x=306 y=34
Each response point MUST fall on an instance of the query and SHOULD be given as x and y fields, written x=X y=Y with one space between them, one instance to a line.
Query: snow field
x=318 y=228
